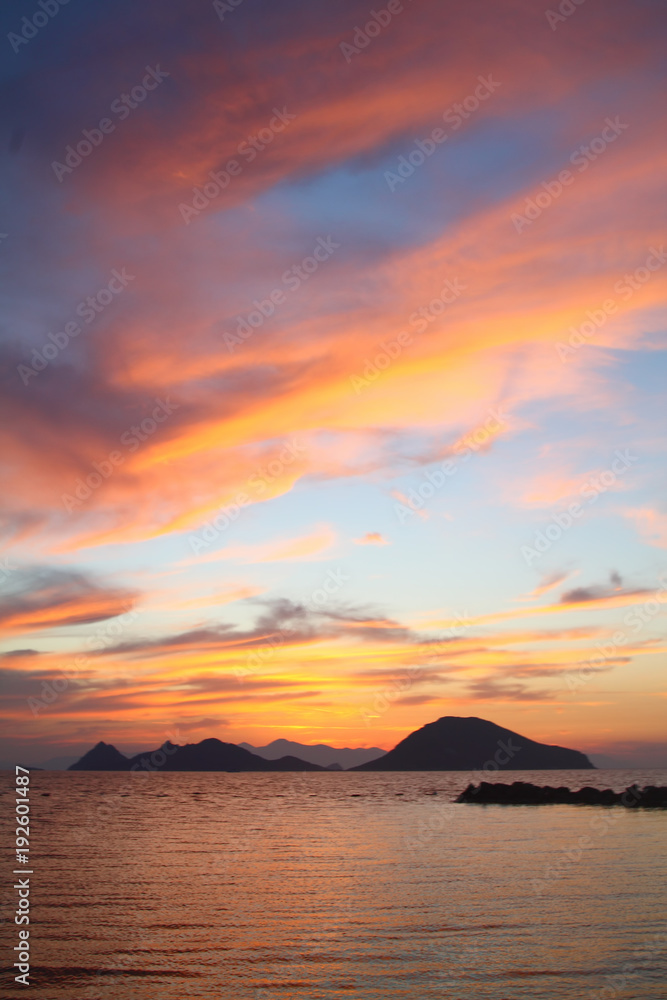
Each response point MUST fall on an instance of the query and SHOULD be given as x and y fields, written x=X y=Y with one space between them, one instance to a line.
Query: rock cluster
x=521 y=793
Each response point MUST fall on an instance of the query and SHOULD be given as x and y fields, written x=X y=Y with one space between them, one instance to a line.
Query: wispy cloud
x=47 y=598
x=651 y=524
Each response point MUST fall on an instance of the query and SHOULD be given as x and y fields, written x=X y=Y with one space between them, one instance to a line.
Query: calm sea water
x=336 y=885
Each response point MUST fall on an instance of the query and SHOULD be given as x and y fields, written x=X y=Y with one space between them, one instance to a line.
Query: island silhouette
x=454 y=743
x=451 y=743
x=209 y=755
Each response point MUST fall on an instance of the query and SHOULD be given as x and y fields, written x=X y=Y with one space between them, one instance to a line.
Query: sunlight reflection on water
x=310 y=885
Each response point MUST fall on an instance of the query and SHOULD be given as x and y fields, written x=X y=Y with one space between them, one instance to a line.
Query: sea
x=367 y=886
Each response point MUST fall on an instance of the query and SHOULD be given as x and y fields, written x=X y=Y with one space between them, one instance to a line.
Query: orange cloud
x=371 y=538
x=549 y=582
x=227 y=596
x=305 y=547
x=620 y=600
x=49 y=598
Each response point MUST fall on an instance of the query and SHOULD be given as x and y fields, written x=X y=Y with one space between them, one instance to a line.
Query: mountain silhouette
x=320 y=754
x=209 y=755
x=450 y=744
x=103 y=757
x=470 y=744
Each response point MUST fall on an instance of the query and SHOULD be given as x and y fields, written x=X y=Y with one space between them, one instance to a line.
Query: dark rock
x=524 y=794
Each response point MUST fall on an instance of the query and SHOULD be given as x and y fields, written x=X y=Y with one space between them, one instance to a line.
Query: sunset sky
x=370 y=429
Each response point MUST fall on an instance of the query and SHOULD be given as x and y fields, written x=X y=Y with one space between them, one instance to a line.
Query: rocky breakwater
x=521 y=793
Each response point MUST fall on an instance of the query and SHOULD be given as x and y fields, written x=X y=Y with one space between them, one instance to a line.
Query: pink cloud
x=651 y=524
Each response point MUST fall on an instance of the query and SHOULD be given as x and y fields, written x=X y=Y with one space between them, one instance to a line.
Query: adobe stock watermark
x=258 y=483
x=582 y=157
x=626 y=288
x=591 y=491
x=291 y=280
x=105 y=635
x=641 y=615
x=6 y=569
x=88 y=309
x=221 y=179
x=419 y=320
x=121 y=107
x=131 y=439
x=455 y=115
x=600 y=825
x=30 y=26
x=121 y=968
x=435 y=479
x=90 y=825
x=333 y=582
x=443 y=813
x=222 y=7
x=644 y=957
x=565 y=9
x=379 y=19
x=383 y=700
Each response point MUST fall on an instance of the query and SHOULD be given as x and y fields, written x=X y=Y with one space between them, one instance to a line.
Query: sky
x=333 y=368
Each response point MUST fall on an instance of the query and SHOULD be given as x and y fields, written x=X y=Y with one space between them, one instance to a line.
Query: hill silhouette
x=320 y=753
x=449 y=744
x=209 y=755
x=468 y=744
x=103 y=757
